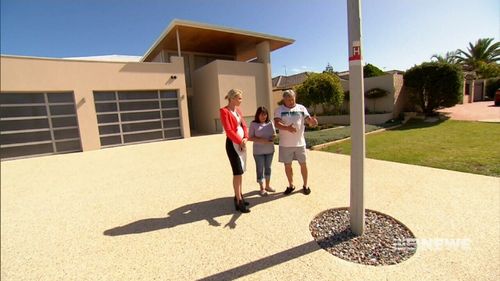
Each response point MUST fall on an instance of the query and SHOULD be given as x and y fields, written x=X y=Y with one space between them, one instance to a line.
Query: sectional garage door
x=38 y=124
x=126 y=117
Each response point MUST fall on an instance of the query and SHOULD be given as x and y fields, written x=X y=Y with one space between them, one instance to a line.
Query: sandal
x=262 y=193
x=270 y=189
x=306 y=190
x=289 y=190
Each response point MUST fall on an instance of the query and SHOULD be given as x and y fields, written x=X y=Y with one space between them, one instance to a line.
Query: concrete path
x=164 y=211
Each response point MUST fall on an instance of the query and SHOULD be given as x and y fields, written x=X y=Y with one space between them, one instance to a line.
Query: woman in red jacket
x=237 y=134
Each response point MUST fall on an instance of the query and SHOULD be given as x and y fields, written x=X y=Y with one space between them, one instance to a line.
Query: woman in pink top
x=237 y=135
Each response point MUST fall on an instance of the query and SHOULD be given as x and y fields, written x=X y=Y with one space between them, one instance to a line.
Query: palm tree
x=483 y=51
x=449 y=57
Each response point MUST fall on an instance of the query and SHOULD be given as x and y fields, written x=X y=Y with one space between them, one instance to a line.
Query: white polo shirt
x=296 y=116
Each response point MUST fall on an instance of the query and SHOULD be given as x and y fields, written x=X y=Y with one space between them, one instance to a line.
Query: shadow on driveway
x=264 y=263
x=206 y=210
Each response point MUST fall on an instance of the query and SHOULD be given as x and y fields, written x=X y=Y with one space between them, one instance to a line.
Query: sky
x=396 y=34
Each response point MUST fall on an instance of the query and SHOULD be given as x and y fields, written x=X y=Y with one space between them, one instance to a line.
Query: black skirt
x=234 y=158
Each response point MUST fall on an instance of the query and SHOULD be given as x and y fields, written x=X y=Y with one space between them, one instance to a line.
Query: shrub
x=370 y=70
x=433 y=85
x=319 y=137
x=491 y=87
x=376 y=93
x=320 y=88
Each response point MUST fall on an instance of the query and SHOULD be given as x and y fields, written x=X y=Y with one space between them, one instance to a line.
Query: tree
x=488 y=70
x=482 y=51
x=370 y=70
x=434 y=85
x=321 y=88
x=449 y=57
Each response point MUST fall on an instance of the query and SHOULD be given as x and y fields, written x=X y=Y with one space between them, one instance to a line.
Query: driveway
x=484 y=111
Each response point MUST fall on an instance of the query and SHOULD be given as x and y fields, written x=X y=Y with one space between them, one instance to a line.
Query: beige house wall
x=206 y=103
x=401 y=96
x=24 y=75
x=213 y=81
x=264 y=57
x=383 y=104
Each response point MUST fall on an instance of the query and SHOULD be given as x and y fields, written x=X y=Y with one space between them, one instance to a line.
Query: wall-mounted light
x=173 y=77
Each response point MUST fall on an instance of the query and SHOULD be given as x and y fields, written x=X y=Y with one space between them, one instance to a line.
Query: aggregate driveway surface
x=163 y=211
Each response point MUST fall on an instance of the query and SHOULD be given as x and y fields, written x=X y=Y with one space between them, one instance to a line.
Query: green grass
x=319 y=137
x=471 y=147
x=332 y=134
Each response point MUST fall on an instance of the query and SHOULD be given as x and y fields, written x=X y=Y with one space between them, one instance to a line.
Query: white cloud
x=300 y=69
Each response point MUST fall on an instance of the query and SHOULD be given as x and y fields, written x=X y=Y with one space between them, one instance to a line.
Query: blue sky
x=397 y=34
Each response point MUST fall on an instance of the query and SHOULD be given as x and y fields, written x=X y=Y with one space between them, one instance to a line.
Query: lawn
x=471 y=147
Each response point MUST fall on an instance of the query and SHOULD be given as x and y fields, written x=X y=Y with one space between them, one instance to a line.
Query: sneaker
x=306 y=190
x=289 y=190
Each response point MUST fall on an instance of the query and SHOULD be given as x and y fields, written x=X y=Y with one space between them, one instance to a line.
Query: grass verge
x=471 y=147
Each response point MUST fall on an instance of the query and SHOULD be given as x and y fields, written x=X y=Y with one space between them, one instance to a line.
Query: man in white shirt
x=290 y=119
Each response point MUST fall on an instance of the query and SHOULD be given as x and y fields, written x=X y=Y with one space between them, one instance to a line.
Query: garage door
x=126 y=117
x=38 y=124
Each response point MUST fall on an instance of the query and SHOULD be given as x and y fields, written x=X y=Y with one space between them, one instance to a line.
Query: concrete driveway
x=163 y=211
x=484 y=111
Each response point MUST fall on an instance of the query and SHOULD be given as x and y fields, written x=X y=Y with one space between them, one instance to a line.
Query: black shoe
x=246 y=203
x=289 y=190
x=243 y=198
x=306 y=190
x=242 y=207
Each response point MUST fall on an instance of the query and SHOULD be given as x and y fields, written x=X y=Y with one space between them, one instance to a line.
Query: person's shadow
x=206 y=210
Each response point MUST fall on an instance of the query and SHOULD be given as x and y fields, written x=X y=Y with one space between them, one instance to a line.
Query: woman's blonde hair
x=233 y=93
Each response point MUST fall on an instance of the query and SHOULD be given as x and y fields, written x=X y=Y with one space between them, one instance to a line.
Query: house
x=474 y=88
x=174 y=90
x=281 y=83
x=388 y=107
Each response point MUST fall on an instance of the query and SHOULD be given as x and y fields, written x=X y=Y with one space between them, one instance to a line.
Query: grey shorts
x=288 y=154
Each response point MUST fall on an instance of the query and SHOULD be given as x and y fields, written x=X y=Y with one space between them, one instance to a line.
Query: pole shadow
x=264 y=263
x=205 y=210
x=279 y=258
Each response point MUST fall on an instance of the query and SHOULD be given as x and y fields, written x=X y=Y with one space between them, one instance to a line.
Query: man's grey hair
x=288 y=93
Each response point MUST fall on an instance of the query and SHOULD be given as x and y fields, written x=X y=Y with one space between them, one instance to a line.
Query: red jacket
x=231 y=125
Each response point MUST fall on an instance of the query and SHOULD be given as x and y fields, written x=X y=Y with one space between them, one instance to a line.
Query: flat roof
x=119 y=58
x=205 y=38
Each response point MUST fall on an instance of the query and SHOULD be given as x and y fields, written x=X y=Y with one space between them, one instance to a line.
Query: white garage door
x=126 y=117
x=38 y=124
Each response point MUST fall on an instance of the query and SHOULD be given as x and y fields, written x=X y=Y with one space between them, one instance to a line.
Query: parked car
x=497 y=98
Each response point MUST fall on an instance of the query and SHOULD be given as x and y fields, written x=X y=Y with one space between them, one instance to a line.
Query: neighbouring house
x=281 y=83
x=474 y=88
x=390 y=106
x=54 y=105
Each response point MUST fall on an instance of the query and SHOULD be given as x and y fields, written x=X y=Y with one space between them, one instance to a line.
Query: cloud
x=300 y=69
